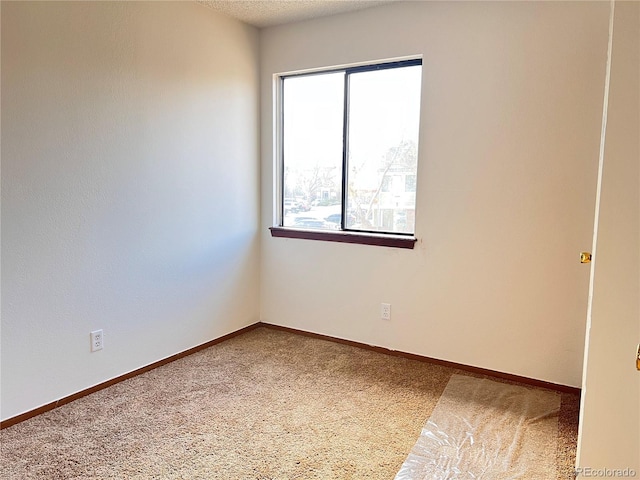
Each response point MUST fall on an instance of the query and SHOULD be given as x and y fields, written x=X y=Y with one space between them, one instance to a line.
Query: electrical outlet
x=97 y=340
x=385 y=311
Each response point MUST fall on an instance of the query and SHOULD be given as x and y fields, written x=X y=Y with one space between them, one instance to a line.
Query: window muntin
x=349 y=145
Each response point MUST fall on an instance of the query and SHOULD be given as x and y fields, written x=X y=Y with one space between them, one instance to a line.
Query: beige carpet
x=264 y=405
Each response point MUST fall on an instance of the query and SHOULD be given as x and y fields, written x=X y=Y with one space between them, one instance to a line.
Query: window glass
x=384 y=112
x=372 y=148
x=313 y=107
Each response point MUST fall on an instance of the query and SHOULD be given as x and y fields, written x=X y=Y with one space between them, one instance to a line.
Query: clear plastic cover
x=482 y=429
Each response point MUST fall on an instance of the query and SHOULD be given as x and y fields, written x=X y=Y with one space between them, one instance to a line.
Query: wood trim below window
x=362 y=238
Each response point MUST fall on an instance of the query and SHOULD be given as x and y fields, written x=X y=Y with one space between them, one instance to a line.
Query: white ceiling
x=266 y=13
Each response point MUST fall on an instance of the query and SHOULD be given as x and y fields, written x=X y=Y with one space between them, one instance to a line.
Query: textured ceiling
x=266 y=13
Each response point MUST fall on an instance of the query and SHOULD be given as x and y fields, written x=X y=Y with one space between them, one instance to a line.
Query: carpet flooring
x=266 y=404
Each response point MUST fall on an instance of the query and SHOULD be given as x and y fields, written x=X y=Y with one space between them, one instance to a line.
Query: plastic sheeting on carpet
x=482 y=429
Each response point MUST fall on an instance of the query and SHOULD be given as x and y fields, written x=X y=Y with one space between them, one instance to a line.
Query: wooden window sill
x=362 y=238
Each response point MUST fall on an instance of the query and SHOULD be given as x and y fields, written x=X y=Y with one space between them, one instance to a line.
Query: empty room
x=320 y=239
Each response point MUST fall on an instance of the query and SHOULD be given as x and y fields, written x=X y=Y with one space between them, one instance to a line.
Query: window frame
x=343 y=235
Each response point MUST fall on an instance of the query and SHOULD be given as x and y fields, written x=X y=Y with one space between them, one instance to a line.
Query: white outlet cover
x=97 y=340
x=385 y=311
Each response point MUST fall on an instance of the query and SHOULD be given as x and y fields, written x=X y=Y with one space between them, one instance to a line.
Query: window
x=349 y=150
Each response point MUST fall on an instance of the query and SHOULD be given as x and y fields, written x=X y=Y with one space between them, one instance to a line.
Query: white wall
x=610 y=414
x=129 y=188
x=510 y=125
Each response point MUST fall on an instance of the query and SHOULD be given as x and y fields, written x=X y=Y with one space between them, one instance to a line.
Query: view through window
x=350 y=148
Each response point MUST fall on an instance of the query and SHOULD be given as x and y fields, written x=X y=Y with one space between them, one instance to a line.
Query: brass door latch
x=638 y=358
x=585 y=257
